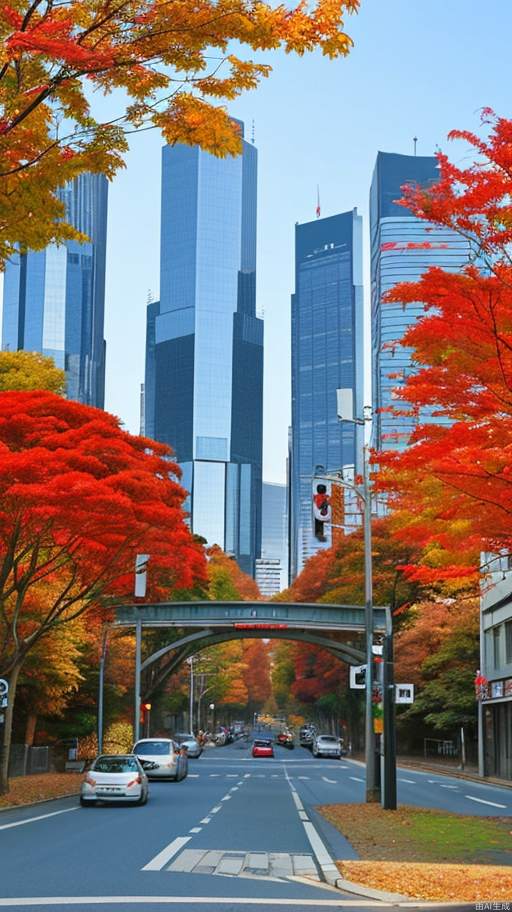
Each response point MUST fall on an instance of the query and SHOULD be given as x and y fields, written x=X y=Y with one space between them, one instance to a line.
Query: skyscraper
x=204 y=356
x=403 y=247
x=54 y=299
x=272 y=566
x=327 y=354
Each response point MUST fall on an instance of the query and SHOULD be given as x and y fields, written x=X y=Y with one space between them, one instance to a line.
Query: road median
x=425 y=854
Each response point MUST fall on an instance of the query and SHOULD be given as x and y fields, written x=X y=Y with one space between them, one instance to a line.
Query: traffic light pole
x=372 y=787
x=388 y=687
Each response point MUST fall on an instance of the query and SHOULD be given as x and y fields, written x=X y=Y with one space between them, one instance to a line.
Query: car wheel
x=86 y=802
x=143 y=798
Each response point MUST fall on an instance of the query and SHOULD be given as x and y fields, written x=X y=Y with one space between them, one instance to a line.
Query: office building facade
x=403 y=247
x=204 y=359
x=494 y=687
x=327 y=354
x=272 y=567
x=54 y=299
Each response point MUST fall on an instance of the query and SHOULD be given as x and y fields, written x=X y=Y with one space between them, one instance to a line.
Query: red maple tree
x=451 y=489
x=79 y=498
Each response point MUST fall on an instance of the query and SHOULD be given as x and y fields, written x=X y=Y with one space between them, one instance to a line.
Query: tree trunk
x=30 y=729
x=6 y=731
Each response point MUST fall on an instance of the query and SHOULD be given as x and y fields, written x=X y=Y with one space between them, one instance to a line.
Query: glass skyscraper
x=327 y=354
x=204 y=352
x=403 y=247
x=54 y=299
x=272 y=567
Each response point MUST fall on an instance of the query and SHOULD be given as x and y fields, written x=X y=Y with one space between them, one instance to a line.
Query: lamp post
x=190 y=663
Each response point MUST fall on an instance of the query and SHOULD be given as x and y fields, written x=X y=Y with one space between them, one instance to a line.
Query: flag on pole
x=317 y=201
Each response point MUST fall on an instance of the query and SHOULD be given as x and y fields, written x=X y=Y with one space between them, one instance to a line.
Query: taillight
x=136 y=781
x=90 y=780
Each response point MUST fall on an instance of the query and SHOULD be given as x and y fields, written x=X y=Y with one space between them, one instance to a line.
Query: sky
x=417 y=69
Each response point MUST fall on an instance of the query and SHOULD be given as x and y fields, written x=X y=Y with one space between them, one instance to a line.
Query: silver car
x=114 y=777
x=167 y=762
x=327 y=746
x=189 y=740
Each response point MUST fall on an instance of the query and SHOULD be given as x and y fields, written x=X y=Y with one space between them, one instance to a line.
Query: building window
x=496 y=647
x=508 y=642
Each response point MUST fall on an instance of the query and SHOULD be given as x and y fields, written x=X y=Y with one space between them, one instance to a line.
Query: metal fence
x=26 y=761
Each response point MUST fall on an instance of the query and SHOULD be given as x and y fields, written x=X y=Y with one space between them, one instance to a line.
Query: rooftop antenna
x=252 y=132
x=318 y=210
x=415 y=140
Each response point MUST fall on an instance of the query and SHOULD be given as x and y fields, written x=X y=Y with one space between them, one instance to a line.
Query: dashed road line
x=493 y=804
x=205 y=820
x=332 y=781
x=226 y=798
x=410 y=781
x=303 y=777
x=234 y=789
x=449 y=786
x=195 y=829
x=216 y=809
x=356 y=778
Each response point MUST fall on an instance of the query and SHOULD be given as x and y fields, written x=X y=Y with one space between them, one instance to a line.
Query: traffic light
x=147 y=706
x=321 y=509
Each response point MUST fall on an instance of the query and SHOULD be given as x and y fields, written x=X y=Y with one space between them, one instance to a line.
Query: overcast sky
x=417 y=69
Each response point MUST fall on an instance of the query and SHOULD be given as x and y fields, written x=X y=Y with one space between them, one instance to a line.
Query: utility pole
x=372 y=790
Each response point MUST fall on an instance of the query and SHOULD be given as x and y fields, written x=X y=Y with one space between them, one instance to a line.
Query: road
x=237 y=833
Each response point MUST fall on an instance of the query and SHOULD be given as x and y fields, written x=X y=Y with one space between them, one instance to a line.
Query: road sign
x=4 y=687
x=404 y=693
x=3 y=702
x=358 y=677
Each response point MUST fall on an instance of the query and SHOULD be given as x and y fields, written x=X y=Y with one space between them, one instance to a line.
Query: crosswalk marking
x=241 y=863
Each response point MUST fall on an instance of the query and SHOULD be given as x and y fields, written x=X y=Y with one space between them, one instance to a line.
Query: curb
x=348 y=886
x=19 y=807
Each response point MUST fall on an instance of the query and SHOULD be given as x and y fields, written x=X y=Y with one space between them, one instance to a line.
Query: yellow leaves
x=192 y=121
x=22 y=370
x=153 y=51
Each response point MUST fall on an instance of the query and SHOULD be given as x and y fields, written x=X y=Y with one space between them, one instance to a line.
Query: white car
x=327 y=746
x=167 y=762
x=189 y=740
x=114 y=777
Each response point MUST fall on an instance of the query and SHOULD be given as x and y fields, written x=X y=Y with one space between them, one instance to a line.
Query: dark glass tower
x=403 y=247
x=204 y=352
x=54 y=299
x=327 y=354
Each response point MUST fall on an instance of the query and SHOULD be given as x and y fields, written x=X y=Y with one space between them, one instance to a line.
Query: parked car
x=165 y=757
x=189 y=740
x=115 y=777
x=307 y=735
x=327 y=746
x=285 y=739
x=262 y=748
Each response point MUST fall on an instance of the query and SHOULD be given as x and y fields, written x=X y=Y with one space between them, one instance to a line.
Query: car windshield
x=152 y=748
x=328 y=738
x=115 y=765
x=262 y=744
x=185 y=736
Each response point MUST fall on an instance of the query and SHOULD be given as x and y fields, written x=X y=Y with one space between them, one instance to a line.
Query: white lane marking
x=226 y=798
x=449 y=786
x=193 y=775
x=234 y=789
x=160 y=860
x=432 y=781
x=303 y=815
x=247 y=775
x=297 y=801
x=482 y=801
x=195 y=829
x=205 y=820
x=216 y=809
x=321 y=853
x=356 y=778
x=214 y=775
x=303 y=777
x=410 y=781
x=332 y=781
x=7 y=826
x=240 y=782
x=145 y=901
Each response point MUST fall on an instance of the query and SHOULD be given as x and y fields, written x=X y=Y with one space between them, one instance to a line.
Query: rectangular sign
x=404 y=693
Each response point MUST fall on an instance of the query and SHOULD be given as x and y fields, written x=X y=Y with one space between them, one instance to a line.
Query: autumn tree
x=173 y=64
x=22 y=370
x=79 y=497
x=451 y=489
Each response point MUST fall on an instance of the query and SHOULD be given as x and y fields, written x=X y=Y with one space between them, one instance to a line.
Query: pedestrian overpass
x=338 y=628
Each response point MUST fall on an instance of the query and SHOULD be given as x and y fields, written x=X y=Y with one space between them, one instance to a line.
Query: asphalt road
x=237 y=833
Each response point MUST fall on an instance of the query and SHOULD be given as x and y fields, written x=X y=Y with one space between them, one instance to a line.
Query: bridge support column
x=138 y=650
